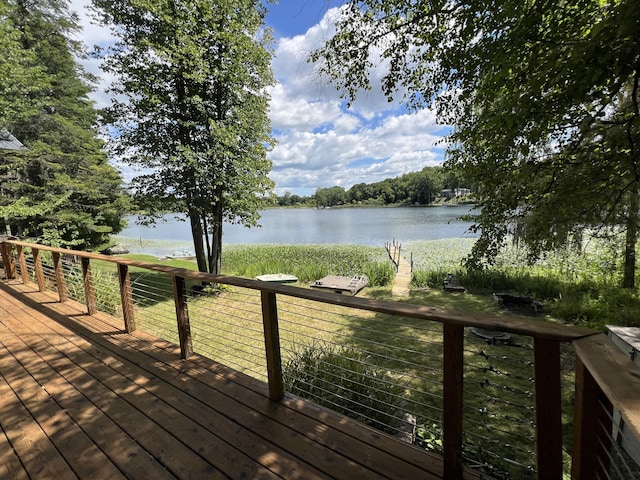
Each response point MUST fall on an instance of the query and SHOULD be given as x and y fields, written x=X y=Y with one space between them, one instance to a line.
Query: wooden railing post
x=182 y=316
x=59 y=272
x=126 y=298
x=8 y=262
x=23 y=266
x=89 y=290
x=592 y=427
x=272 y=345
x=548 y=408
x=453 y=401
x=37 y=264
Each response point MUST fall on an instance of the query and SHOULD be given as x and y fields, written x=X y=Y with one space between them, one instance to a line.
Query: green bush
x=346 y=381
x=106 y=290
x=379 y=274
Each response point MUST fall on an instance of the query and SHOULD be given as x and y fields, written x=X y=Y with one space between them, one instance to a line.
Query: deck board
x=80 y=398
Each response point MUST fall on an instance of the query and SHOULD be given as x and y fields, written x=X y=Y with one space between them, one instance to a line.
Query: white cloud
x=321 y=143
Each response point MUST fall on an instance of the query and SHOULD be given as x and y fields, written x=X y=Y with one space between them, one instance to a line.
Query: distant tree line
x=417 y=188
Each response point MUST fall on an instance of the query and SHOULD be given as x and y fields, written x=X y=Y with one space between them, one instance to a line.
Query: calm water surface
x=360 y=226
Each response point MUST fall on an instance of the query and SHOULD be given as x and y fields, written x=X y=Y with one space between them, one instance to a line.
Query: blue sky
x=321 y=143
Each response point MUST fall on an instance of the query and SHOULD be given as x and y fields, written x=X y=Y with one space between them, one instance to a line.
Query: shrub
x=106 y=290
x=379 y=273
x=346 y=381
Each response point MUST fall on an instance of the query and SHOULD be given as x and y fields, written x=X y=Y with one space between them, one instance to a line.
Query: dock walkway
x=402 y=280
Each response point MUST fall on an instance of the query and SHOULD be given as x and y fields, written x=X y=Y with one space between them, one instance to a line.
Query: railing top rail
x=615 y=373
x=534 y=328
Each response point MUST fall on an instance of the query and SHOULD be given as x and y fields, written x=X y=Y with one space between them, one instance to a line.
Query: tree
x=60 y=190
x=426 y=185
x=543 y=98
x=22 y=79
x=191 y=110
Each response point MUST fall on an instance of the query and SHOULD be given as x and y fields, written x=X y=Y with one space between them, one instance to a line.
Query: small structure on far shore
x=340 y=284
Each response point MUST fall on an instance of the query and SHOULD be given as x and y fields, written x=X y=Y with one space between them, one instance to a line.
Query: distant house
x=450 y=193
x=9 y=142
x=446 y=193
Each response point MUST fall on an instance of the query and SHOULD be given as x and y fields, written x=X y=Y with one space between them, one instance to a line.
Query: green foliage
x=379 y=273
x=430 y=437
x=542 y=96
x=21 y=96
x=192 y=109
x=61 y=190
x=330 y=197
x=347 y=382
x=106 y=287
x=575 y=286
x=421 y=188
x=309 y=262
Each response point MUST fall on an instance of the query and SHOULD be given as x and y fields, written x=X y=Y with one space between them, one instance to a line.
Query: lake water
x=360 y=226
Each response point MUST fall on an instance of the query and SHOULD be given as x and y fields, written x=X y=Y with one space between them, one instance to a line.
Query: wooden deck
x=80 y=398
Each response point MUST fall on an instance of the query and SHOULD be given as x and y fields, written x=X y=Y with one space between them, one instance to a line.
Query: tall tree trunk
x=198 y=241
x=215 y=259
x=629 y=279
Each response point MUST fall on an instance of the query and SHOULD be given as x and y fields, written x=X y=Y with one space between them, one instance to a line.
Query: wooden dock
x=80 y=398
x=404 y=274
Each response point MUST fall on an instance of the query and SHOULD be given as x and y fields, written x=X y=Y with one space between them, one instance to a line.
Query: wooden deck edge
x=615 y=373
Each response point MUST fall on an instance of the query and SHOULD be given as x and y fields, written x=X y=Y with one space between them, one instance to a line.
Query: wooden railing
x=603 y=374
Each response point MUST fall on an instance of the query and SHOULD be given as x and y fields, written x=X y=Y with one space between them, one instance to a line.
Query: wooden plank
x=10 y=466
x=117 y=444
x=173 y=455
x=591 y=428
x=37 y=262
x=22 y=261
x=222 y=415
x=198 y=435
x=453 y=365
x=272 y=345
x=34 y=449
x=89 y=291
x=8 y=263
x=616 y=383
x=615 y=374
x=61 y=285
x=548 y=408
x=79 y=451
x=126 y=298
x=182 y=316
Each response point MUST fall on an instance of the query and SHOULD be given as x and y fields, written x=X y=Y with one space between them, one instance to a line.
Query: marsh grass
x=309 y=262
